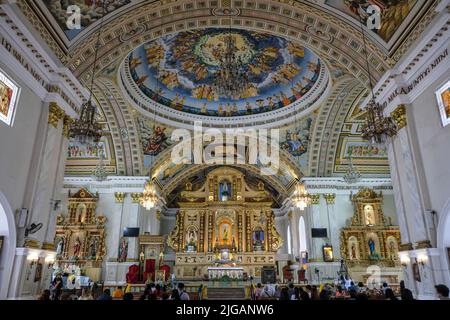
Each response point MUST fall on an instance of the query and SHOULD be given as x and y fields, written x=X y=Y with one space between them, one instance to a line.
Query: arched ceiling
x=326 y=31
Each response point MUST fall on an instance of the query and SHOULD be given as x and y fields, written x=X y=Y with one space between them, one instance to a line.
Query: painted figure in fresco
x=155 y=144
x=294 y=143
x=77 y=247
x=5 y=98
x=123 y=250
x=371 y=244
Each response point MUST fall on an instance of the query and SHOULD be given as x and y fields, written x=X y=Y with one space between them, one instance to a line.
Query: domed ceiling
x=178 y=71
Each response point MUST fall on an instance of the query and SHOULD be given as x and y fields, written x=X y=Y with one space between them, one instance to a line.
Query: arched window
x=289 y=239
x=302 y=234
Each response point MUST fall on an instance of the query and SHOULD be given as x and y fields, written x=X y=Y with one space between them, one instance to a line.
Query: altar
x=225 y=226
x=218 y=273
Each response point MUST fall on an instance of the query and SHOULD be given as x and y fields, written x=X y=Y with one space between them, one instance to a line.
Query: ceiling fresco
x=393 y=12
x=178 y=71
x=90 y=10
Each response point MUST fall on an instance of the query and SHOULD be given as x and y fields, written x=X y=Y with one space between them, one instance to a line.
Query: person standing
x=183 y=294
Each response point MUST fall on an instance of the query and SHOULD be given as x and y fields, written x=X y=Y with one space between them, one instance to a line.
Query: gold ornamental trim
x=399 y=116
x=48 y=246
x=406 y=247
x=425 y=244
x=55 y=114
x=31 y=243
x=67 y=122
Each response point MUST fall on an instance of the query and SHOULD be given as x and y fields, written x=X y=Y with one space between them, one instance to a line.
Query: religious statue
x=60 y=247
x=225 y=234
x=369 y=214
x=353 y=252
x=225 y=193
x=371 y=244
x=93 y=247
x=77 y=247
x=123 y=250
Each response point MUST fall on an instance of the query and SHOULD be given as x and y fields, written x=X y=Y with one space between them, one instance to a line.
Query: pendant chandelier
x=231 y=78
x=301 y=198
x=378 y=128
x=352 y=175
x=86 y=129
x=150 y=197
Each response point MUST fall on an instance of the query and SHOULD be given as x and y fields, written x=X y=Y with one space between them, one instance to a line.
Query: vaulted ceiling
x=318 y=135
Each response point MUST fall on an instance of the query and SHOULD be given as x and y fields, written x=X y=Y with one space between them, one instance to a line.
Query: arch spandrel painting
x=178 y=71
x=393 y=13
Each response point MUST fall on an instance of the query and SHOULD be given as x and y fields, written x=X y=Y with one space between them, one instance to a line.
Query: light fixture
x=231 y=78
x=352 y=175
x=86 y=128
x=422 y=259
x=301 y=198
x=378 y=128
x=32 y=258
x=50 y=261
x=404 y=260
x=99 y=173
x=149 y=197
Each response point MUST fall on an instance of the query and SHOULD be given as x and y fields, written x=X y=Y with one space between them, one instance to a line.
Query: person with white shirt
x=183 y=294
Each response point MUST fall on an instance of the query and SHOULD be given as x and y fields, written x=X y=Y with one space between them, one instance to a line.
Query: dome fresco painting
x=178 y=71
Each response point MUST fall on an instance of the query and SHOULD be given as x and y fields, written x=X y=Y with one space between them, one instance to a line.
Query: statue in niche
x=123 y=250
x=369 y=215
x=81 y=213
x=225 y=191
x=353 y=252
x=60 y=247
x=77 y=248
x=258 y=238
x=371 y=244
x=93 y=247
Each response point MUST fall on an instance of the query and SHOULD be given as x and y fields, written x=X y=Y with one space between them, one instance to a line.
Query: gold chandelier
x=377 y=128
x=301 y=198
x=149 y=197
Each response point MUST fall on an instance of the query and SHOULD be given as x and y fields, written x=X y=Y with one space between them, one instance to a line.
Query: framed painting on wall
x=8 y=98
x=416 y=272
x=328 y=253
x=38 y=271
x=443 y=98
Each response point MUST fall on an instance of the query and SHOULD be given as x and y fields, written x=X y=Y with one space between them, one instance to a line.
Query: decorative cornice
x=55 y=114
x=399 y=116
x=329 y=198
x=120 y=196
x=136 y=197
x=315 y=199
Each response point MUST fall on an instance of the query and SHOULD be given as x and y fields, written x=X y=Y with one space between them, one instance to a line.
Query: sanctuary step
x=226 y=293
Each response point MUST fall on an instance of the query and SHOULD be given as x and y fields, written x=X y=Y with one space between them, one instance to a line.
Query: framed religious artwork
x=328 y=253
x=448 y=253
x=1 y=243
x=9 y=92
x=160 y=276
x=443 y=98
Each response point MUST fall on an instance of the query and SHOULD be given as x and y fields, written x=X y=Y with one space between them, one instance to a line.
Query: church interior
x=243 y=148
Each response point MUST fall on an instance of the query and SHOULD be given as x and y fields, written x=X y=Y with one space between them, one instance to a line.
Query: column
x=312 y=221
x=332 y=235
x=410 y=195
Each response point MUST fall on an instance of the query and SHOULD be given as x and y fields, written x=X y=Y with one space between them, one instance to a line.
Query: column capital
x=136 y=197
x=399 y=116
x=67 y=122
x=55 y=114
x=329 y=197
x=315 y=198
x=119 y=196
